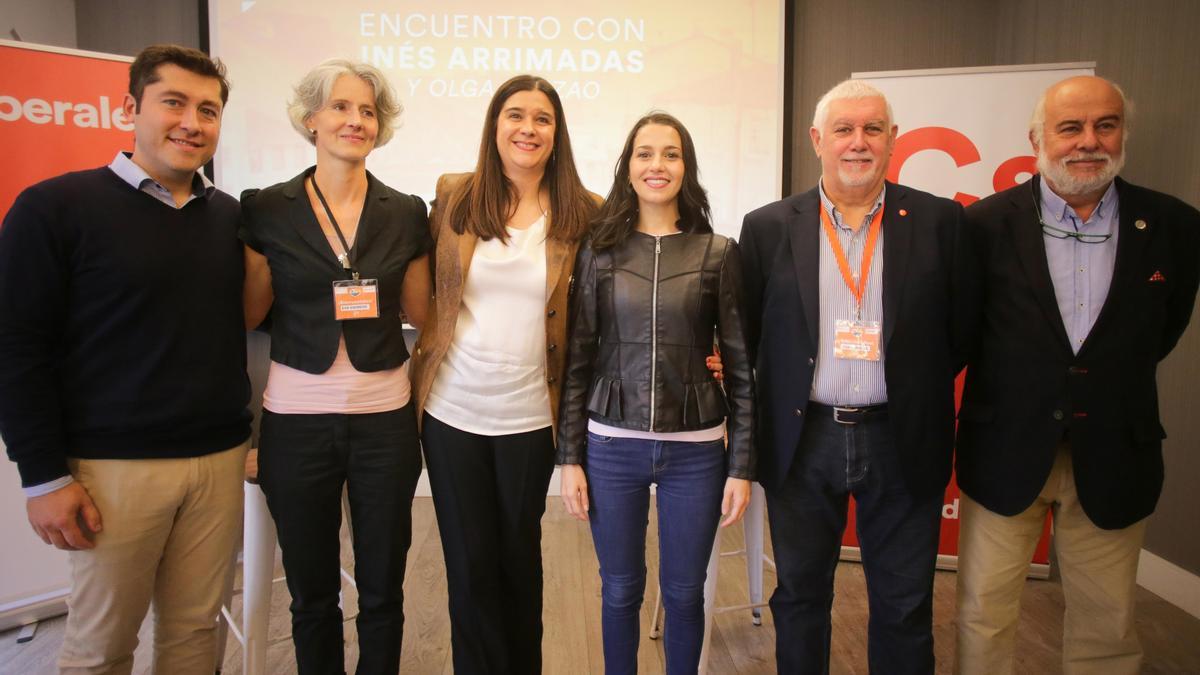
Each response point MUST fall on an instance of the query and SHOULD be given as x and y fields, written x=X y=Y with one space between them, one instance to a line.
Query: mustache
x=1088 y=157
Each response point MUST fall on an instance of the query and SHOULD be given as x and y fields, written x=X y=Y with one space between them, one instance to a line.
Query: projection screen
x=716 y=66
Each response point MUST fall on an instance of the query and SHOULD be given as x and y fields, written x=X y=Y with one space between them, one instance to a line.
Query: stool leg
x=710 y=599
x=258 y=570
x=222 y=624
x=753 y=529
x=656 y=619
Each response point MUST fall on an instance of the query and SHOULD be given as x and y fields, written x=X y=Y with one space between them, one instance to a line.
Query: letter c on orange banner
x=953 y=143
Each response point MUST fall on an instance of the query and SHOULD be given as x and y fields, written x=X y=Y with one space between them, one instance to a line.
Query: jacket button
x=550 y=380
x=811 y=361
x=798 y=412
x=551 y=348
x=1058 y=414
x=551 y=313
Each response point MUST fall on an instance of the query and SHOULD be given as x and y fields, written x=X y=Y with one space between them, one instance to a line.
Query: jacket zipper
x=654 y=329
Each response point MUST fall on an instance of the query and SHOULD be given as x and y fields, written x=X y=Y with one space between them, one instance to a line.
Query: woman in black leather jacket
x=654 y=286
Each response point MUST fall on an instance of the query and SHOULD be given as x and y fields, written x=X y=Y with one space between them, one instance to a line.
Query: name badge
x=356 y=299
x=856 y=340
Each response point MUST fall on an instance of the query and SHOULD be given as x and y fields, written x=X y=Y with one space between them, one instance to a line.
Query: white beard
x=1067 y=184
x=855 y=179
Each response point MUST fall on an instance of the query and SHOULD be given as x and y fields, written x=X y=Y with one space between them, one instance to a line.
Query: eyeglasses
x=1081 y=237
x=1059 y=233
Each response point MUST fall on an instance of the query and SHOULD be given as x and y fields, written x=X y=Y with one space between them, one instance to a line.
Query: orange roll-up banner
x=60 y=111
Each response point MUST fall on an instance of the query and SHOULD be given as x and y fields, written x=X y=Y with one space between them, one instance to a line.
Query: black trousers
x=304 y=460
x=490 y=493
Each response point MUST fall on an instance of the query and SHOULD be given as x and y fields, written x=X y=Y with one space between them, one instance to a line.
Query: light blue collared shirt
x=136 y=176
x=844 y=381
x=138 y=179
x=1081 y=273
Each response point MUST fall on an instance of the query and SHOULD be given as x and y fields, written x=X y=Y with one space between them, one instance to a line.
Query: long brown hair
x=619 y=213
x=489 y=199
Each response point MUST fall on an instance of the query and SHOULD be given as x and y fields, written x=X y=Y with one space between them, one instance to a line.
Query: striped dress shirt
x=847 y=382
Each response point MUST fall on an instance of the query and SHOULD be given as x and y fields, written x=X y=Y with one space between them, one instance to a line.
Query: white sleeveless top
x=492 y=380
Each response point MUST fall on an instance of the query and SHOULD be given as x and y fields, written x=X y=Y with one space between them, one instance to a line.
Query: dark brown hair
x=618 y=215
x=488 y=200
x=144 y=69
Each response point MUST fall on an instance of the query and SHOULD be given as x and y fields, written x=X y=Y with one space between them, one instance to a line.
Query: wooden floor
x=1170 y=637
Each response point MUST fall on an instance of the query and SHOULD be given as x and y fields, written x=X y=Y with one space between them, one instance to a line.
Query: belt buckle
x=838 y=410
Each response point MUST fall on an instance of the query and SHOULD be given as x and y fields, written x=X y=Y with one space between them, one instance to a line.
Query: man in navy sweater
x=123 y=388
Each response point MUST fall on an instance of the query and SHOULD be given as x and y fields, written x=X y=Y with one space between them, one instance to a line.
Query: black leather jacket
x=643 y=317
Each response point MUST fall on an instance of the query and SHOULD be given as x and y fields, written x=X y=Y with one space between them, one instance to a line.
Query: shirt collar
x=835 y=216
x=124 y=166
x=1058 y=208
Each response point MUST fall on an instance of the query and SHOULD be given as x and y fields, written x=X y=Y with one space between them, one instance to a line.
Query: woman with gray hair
x=335 y=255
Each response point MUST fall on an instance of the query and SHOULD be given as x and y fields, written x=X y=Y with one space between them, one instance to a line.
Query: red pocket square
x=1157 y=277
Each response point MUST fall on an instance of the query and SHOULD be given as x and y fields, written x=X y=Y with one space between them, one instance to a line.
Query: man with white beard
x=1086 y=282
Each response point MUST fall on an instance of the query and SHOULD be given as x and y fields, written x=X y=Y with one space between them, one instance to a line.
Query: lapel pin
x=1139 y=224
x=904 y=212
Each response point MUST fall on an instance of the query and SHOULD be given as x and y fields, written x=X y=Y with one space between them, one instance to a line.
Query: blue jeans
x=691 y=481
x=897 y=532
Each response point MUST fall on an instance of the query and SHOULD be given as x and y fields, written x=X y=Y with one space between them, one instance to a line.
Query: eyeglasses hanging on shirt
x=353 y=298
x=1059 y=233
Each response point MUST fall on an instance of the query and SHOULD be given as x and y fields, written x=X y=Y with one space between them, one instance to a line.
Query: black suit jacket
x=1026 y=388
x=393 y=230
x=924 y=261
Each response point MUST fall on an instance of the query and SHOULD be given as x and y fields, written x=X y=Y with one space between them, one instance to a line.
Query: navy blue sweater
x=121 y=329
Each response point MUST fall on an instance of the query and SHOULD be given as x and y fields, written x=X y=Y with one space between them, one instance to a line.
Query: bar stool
x=752 y=533
x=259 y=540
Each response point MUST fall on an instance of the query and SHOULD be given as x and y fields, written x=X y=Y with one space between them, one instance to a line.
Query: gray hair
x=1037 y=123
x=849 y=90
x=312 y=93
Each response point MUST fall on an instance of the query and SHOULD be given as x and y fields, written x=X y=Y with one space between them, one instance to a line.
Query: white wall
x=34 y=577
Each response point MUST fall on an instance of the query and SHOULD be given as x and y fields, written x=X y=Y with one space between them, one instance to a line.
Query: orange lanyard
x=859 y=289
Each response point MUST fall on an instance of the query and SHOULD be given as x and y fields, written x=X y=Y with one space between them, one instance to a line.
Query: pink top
x=341 y=389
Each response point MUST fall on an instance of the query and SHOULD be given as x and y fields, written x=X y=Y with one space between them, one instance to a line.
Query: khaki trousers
x=170 y=532
x=1099 y=571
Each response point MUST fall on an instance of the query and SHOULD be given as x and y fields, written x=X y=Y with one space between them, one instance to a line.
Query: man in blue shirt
x=853 y=315
x=1086 y=282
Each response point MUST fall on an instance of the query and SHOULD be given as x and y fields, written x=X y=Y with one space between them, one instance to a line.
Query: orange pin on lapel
x=904 y=212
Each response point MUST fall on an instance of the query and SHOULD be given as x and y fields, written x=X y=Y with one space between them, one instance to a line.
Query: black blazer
x=1026 y=389
x=393 y=229
x=924 y=265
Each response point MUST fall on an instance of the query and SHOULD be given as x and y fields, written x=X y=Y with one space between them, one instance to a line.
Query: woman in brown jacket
x=489 y=365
